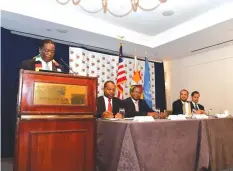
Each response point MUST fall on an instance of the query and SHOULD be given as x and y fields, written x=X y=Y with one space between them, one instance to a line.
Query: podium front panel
x=56 y=93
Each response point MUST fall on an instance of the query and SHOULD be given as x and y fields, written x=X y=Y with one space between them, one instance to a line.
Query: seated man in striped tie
x=134 y=106
x=108 y=106
x=198 y=108
x=44 y=60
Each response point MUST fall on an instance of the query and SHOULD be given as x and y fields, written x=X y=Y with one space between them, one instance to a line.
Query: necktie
x=109 y=105
x=184 y=108
x=136 y=106
x=47 y=66
x=196 y=107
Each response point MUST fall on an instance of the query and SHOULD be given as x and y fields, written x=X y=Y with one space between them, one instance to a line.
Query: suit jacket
x=30 y=65
x=199 y=105
x=116 y=104
x=177 y=107
x=130 y=110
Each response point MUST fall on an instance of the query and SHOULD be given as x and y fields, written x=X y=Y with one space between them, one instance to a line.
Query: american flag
x=121 y=74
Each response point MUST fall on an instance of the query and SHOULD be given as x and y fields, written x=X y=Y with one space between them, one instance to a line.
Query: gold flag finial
x=120 y=37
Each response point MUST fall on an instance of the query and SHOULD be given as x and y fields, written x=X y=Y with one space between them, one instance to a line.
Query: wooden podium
x=55 y=125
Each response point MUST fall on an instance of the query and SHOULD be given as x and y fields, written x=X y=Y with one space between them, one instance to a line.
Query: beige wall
x=210 y=73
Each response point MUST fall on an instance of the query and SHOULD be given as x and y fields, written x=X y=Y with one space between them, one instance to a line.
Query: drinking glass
x=193 y=112
x=158 y=111
x=122 y=112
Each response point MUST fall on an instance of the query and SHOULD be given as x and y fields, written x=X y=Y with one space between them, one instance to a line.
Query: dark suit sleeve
x=99 y=108
x=201 y=107
x=175 y=108
x=191 y=105
x=130 y=109
x=148 y=109
x=27 y=65
x=130 y=113
x=117 y=104
x=24 y=65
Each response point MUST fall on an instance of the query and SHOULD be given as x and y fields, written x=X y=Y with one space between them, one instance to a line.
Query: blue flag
x=146 y=87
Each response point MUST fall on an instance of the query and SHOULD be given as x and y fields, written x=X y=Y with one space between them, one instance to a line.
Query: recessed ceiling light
x=163 y=1
x=62 y=30
x=168 y=13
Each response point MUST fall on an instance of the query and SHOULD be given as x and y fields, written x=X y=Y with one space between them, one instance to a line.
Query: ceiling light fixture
x=105 y=5
x=62 y=30
x=168 y=13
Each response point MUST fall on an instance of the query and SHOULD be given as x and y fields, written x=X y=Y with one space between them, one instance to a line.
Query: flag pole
x=135 y=62
x=121 y=38
x=121 y=76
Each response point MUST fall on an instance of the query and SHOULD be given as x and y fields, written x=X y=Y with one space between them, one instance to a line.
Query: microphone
x=70 y=69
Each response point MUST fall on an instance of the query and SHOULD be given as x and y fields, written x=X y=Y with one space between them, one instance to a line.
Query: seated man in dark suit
x=198 y=108
x=182 y=106
x=44 y=60
x=134 y=106
x=108 y=105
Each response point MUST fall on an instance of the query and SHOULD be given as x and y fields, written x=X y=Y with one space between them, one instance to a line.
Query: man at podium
x=44 y=60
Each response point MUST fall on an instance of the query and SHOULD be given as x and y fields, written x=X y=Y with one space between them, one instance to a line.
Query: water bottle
x=210 y=112
x=193 y=112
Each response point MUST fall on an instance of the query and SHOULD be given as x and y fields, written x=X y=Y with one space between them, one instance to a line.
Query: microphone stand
x=70 y=69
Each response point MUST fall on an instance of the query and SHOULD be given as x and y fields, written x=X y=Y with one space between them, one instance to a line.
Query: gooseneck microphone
x=70 y=69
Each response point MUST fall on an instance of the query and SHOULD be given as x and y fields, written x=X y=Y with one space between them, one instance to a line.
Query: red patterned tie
x=136 y=106
x=109 y=105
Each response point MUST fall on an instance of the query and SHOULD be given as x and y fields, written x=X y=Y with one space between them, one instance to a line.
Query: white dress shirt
x=45 y=65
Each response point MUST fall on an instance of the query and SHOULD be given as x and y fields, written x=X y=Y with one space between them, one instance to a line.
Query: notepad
x=177 y=117
x=200 y=116
x=222 y=115
x=143 y=118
